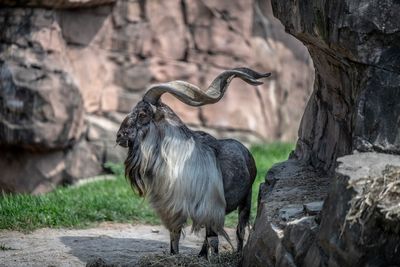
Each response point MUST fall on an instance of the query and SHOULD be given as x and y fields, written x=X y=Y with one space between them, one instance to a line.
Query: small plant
x=3 y=247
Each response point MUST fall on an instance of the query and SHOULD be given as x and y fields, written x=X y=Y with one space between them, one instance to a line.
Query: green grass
x=107 y=200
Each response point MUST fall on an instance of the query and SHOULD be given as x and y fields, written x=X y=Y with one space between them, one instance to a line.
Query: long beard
x=133 y=162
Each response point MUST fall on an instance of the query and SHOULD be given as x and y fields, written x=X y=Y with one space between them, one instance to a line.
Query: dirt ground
x=120 y=244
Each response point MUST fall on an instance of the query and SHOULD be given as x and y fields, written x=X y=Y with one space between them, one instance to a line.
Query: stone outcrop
x=355 y=103
x=70 y=70
x=41 y=109
x=370 y=238
x=355 y=106
x=56 y=3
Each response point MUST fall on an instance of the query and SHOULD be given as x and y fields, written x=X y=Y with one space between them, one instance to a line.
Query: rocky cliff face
x=355 y=105
x=70 y=70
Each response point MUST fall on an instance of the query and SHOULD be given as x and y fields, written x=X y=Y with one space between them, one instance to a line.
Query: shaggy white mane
x=182 y=179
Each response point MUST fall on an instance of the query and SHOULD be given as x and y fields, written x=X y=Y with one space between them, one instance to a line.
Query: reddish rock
x=168 y=70
x=98 y=60
x=126 y=101
x=93 y=73
x=110 y=98
x=188 y=114
x=169 y=33
x=240 y=107
x=59 y=3
x=27 y=172
x=40 y=110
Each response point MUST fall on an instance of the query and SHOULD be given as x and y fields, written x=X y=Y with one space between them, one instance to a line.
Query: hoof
x=203 y=254
x=212 y=255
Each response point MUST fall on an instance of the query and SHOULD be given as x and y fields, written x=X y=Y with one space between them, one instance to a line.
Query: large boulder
x=355 y=103
x=57 y=3
x=354 y=107
x=361 y=215
x=40 y=110
x=40 y=105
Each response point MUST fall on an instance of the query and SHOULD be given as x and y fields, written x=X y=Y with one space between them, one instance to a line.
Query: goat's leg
x=204 y=249
x=174 y=236
x=244 y=215
x=210 y=244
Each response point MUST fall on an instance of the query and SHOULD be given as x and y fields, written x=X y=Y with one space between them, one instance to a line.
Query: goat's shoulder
x=205 y=139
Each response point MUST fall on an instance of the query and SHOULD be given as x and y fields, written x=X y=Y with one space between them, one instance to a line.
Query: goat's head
x=152 y=110
x=134 y=123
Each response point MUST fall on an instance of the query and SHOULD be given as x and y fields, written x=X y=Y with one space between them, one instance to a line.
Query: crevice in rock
x=143 y=13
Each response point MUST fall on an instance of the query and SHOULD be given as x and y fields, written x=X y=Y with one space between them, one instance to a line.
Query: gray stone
x=263 y=242
x=355 y=100
x=298 y=236
x=290 y=212
x=355 y=244
x=288 y=185
x=59 y=3
x=283 y=258
x=313 y=257
x=354 y=106
x=313 y=208
x=38 y=111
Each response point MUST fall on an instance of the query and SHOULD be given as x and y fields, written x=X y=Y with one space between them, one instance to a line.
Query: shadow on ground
x=118 y=251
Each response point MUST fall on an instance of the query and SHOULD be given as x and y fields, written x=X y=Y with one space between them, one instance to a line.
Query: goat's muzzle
x=122 y=140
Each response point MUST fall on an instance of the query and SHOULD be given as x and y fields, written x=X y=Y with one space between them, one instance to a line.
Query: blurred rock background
x=71 y=70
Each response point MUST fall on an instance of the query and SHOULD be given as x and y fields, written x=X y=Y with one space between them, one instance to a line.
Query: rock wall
x=70 y=70
x=355 y=103
x=355 y=106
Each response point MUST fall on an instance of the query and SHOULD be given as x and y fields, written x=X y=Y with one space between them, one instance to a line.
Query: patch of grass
x=107 y=200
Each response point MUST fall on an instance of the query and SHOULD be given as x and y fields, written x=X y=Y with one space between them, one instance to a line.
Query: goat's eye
x=142 y=115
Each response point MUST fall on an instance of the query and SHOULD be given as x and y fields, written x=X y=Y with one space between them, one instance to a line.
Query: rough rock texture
x=307 y=237
x=375 y=239
x=71 y=69
x=55 y=3
x=41 y=109
x=355 y=105
x=285 y=227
